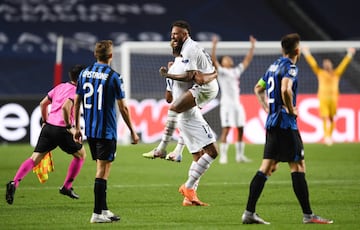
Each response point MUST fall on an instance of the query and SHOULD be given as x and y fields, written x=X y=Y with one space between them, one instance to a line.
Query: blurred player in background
x=99 y=88
x=283 y=140
x=57 y=130
x=328 y=88
x=232 y=112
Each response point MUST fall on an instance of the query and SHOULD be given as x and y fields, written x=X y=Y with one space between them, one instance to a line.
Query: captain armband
x=262 y=83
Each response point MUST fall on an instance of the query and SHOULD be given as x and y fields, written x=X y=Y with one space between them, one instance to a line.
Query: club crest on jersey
x=292 y=72
x=185 y=60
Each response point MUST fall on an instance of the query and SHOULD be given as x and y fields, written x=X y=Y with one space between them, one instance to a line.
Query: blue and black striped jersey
x=100 y=86
x=282 y=67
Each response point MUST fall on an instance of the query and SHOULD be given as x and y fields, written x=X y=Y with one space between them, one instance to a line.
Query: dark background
x=28 y=29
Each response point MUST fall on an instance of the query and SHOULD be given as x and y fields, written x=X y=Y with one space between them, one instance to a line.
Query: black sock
x=100 y=195
x=105 y=207
x=256 y=187
x=301 y=191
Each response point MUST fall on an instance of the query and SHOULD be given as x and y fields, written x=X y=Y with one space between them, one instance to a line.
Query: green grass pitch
x=145 y=192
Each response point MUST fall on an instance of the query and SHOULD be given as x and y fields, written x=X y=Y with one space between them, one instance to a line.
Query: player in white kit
x=232 y=112
x=195 y=130
x=197 y=134
x=176 y=154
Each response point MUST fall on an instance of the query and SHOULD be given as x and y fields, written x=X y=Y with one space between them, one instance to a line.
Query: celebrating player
x=198 y=69
x=328 y=88
x=283 y=141
x=56 y=131
x=232 y=113
x=197 y=135
x=176 y=154
x=192 y=64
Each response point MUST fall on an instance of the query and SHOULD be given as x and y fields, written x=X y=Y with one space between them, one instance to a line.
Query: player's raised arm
x=213 y=52
x=249 y=56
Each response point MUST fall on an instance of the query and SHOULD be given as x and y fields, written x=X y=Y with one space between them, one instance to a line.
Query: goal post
x=123 y=62
x=139 y=62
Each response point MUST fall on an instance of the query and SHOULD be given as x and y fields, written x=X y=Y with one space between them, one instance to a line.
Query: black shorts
x=52 y=136
x=284 y=145
x=102 y=149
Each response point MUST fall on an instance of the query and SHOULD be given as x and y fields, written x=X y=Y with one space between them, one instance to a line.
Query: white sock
x=224 y=148
x=239 y=147
x=192 y=166
x=198 y=169
x=169 y=130
x=180 y=145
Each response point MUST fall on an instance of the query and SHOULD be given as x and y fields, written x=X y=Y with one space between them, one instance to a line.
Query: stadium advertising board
x=20 y=119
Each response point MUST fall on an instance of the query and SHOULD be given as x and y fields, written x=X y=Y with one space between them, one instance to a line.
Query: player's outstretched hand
x=252 y=40
x=351 y=51
x=215 y=39
x=305 y=50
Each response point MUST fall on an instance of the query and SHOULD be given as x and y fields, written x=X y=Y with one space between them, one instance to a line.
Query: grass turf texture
x=145 y=192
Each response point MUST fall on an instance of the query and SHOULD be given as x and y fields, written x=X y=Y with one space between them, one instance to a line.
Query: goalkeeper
x=328 y=88
x=56 y=131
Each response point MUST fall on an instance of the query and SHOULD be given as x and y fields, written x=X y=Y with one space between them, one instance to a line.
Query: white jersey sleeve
x=196 y=58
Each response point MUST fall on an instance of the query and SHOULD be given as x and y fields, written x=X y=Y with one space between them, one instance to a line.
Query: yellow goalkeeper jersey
x=328 y=82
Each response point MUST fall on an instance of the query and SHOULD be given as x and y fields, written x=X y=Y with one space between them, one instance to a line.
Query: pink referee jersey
x=58 y=96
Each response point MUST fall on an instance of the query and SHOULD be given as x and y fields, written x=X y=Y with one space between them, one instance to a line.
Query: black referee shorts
x=52 y=136
x=284 y=145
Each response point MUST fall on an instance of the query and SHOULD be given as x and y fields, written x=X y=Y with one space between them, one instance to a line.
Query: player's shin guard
x=169 y=129
x=192 y=168
x=198 y=170
x=256 y=186
x=100 y=195
x=301 y=191
x=180 y=145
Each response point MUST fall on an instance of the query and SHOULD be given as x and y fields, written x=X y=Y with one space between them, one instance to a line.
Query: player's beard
x=178 y=44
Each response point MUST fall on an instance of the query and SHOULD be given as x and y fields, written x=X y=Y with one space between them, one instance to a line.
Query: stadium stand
x=29 y=29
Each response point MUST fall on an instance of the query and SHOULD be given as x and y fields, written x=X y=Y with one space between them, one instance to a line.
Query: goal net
x=139 y=62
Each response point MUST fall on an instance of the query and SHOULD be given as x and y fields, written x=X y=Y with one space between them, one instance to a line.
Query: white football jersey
x=179 y=87
x=195 y=57
x=229 y=82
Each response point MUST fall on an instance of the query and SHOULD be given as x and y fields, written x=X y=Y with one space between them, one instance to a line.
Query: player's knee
x=80 y=154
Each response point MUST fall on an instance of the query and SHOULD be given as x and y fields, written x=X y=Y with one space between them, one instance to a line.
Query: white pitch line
x=316 y=182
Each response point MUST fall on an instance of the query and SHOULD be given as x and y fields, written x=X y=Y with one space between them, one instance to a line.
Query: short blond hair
x=103 y=50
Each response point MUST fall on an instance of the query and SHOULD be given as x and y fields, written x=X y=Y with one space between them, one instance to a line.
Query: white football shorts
x=232 y=116
x=195 y=130
x=203 y=94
